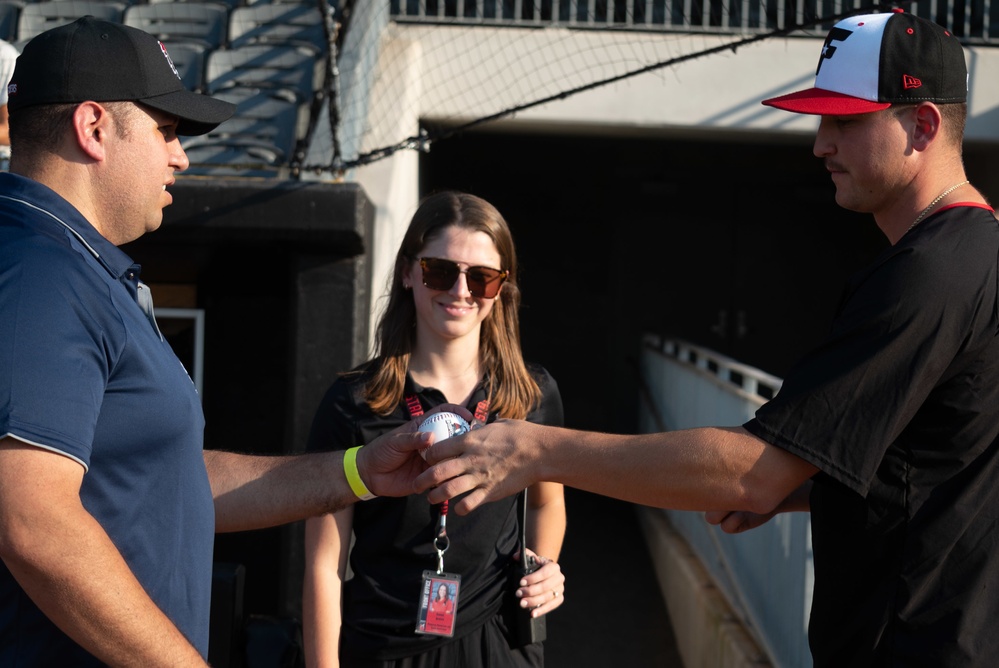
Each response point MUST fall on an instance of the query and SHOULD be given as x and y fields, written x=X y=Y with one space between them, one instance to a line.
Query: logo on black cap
x=168 y=59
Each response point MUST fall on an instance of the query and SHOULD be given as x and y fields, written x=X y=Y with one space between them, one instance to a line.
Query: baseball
x=443 y=425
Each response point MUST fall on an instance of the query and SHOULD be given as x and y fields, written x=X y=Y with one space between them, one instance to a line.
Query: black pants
x=485 y=647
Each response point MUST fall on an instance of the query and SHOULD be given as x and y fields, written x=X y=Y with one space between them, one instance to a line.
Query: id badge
x=438 y=604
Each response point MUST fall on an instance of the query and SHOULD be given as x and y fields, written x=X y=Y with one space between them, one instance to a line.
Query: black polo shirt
x=394 y=537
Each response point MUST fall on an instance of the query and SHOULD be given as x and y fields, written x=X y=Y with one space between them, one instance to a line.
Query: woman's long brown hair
x=512 y=390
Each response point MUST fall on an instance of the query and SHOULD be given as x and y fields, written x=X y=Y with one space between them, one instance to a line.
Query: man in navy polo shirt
x=108 y=502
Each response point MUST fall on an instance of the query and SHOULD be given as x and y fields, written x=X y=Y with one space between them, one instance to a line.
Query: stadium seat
x=264 y=66
x=270 y=68
x=234 y=157
x=267 y=115
x=333 y=4
x=228 y=3
x=198 y=22
x=296 y=24
x=40 y=16
x=9 y=13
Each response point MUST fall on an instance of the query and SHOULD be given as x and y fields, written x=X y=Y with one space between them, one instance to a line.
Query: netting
x=479 y=61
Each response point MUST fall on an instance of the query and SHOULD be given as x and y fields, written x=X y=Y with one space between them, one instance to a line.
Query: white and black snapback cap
x=872 y=61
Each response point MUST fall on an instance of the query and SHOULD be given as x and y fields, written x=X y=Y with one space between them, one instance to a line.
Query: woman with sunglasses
x=450 y=334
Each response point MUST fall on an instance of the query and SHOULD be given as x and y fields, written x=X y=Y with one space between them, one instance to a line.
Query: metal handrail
x=765 y=575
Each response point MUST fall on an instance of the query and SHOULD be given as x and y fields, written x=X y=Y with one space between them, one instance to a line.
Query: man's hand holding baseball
x=485 y=463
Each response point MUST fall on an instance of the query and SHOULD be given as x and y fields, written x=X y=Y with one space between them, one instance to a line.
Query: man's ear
x=926 y=125
x=91 y=127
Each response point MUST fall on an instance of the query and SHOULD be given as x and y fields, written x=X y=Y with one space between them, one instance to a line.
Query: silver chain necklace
x=932 y=204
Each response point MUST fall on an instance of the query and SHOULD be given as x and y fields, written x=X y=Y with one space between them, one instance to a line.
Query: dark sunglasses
x=483 y=282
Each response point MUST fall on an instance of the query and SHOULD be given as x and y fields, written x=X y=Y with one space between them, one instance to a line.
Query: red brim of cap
x=825 y=103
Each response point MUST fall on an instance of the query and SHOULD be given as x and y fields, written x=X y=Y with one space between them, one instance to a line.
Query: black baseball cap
x=92 y=59
x=872 y=61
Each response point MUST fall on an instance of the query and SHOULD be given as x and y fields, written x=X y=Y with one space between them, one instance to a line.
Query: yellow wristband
x=357 y=485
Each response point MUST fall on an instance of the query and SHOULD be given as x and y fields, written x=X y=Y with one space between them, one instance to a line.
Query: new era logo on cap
x=872 y=61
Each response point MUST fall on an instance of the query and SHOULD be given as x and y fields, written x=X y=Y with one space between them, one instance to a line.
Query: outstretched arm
x=740 y=520
x=254 y=492
x=709 y=468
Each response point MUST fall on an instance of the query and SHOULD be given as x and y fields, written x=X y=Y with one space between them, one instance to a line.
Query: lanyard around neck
x=415 y=409
x=441 y=541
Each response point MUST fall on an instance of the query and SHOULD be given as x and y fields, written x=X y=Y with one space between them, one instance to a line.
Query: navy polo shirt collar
x=64 y=214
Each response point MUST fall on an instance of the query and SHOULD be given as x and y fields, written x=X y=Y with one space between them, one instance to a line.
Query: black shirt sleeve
x=334 y=424
x=897 y=338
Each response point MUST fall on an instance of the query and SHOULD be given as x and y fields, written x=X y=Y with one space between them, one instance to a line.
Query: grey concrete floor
x=613 y=614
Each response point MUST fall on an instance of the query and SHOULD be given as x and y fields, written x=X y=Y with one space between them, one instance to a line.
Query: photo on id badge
x=438 y=604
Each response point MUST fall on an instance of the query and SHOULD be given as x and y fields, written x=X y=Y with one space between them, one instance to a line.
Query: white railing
x=973 y=21
x=766 y=574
